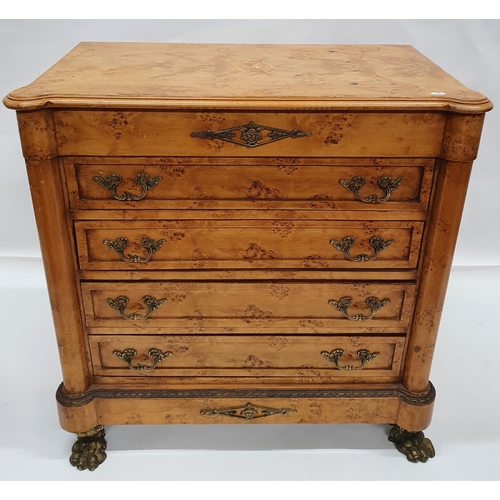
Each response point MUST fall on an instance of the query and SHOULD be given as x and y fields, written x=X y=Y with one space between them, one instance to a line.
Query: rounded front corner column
x=445 y=215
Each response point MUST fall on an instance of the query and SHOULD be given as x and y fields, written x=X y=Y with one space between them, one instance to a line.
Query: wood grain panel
x=246 y=244
x=229 y=307
x=244 y=355
x=304 y=411
x=216 y=76
x=188 y=183
x=142 y=133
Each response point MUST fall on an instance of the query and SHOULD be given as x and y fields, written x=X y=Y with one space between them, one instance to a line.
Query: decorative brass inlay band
x=363 y=354
x=345 y=244
x=155 y=354
x=385 y=183
x=372 y=302
x=251 y=134
x=121 y=302
x=112 y=181
x=414 y=398
x=119 y=245
x=414 y=445
x=247 y=412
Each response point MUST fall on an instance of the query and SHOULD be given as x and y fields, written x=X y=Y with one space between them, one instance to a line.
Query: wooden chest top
x=224 y=76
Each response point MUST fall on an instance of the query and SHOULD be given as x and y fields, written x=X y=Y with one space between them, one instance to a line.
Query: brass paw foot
x=88 y=451
x=414 y=445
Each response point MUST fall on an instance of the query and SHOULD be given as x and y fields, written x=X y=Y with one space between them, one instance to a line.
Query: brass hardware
x=363 y=354
x=247 y=412
x=88 y=452
x=119 y=245
x=251 y=134
x=345 y=244
x=372 y=302
x=80 y=399
x=112 y=181
x=385 y=183
x=414 y=445
x=121 y=302
x=155 y=354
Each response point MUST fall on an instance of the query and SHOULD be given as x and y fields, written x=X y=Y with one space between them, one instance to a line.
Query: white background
x=466 y=423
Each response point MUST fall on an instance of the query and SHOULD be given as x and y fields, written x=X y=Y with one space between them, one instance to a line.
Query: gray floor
x=465 y=428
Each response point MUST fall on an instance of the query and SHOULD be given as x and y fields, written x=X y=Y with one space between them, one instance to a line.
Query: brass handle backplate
x=121 y=302
x=385 y=183
x=363 y=354
x=112 y=181
x=345 y=244
x=155 y=354
x=119 y=245
x=247 y=412
x=251 y=135
x=372 y=302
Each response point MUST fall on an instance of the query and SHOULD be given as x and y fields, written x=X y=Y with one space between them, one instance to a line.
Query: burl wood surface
x=234 y=183
x=214 y=75
x=252 y=307
x=246 y=356
x=247 y=244
x=142 y=133
x=247 y=267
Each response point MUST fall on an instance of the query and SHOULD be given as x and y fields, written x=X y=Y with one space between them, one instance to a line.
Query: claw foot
x=88 y=451
x=414 y=445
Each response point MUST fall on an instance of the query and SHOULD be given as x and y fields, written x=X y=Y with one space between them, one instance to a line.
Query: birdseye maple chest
x=247 y=233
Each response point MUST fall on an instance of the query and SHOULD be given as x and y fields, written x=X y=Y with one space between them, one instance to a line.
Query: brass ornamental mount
x=345 y=244
x=251 y=134
x=414 y=445
x=89 y=451
x=155 y=354
x=363 y=354
x=247 y=412
x=119 y=245
x=121 y=302
x=372 y=302
x=385 y=183
x=112 y=181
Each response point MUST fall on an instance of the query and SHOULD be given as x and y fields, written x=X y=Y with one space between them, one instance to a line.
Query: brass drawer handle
x=121 y=302
x=372 y=302
x=385 y=183
x=345 y=244
x=112 y=181
x=155 y=354
x=363 y=354
x=250 y=134
x=247 y=412
x=119 y=245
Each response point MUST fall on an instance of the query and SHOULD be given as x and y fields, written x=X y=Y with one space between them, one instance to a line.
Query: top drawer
x=160 y=133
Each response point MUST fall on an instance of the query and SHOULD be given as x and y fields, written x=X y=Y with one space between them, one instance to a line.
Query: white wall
x=469 y=50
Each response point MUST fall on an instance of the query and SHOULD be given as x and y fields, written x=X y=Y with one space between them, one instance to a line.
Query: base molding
x=107 y=406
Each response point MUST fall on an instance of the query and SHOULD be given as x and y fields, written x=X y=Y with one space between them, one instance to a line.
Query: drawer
x=153 y=245
x=255 y=307
x=319 y=359
x=246 y=183
x=382 y=409
x=143 y=133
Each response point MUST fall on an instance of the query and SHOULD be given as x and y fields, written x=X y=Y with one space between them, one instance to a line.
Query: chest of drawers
x=247 y=234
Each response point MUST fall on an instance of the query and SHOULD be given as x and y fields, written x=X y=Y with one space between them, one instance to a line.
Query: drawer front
x=249 y=410
x=153 y=245
x=256 y=307
x=307 y=184
x=326 y=358
x=140 y=133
